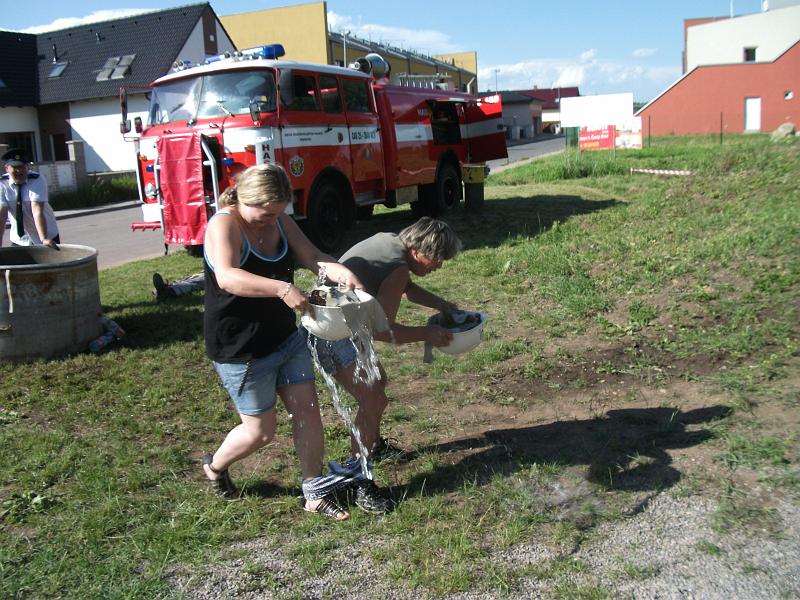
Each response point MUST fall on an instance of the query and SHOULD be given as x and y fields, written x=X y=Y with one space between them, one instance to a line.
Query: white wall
x=194 y=48
x=96 y=122
x=551 y=115
x=522 y=112
x=773 y=4
x=723 y=42
x=598 y=111
x=15 y=119
x=18 y=118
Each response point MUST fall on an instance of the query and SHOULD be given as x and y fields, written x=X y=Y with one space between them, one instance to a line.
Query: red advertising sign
x=596 y=139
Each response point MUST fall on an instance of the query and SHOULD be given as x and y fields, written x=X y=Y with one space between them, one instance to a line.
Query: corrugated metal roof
x=18 y=69
x=153 y=39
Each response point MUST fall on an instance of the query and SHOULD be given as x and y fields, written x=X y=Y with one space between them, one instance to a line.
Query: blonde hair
x=431 y=238
x=259 y=185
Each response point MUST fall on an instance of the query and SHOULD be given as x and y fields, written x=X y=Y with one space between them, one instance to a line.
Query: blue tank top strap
x=245 y=243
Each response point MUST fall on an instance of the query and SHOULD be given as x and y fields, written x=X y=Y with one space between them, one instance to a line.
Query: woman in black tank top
x=251 y=248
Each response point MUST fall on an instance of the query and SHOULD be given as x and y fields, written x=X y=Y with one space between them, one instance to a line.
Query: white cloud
x=428 y=41
x=98 y=15
x=588 y=54
x=591 y=75
x=644 y=52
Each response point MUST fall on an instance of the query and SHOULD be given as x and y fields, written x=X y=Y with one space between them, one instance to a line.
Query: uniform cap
x=15 y=157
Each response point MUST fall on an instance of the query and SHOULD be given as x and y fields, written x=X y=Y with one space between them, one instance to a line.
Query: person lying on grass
x=251 y=247
x=385 y=263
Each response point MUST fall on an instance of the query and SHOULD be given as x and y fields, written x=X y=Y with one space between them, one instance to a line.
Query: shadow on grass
x=497 y=222
x=624 y=450
x=153 y=325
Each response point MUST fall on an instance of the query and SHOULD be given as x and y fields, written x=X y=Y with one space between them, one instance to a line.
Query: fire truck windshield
x=214 y=95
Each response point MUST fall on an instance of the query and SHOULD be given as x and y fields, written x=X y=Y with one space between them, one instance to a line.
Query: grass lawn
x=643 y=339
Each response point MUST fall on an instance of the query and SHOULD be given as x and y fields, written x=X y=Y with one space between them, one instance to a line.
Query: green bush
x=97 y=193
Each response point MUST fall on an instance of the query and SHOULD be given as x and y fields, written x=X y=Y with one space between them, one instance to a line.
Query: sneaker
x=384 y=449
x=371 y=498
x=160 y=289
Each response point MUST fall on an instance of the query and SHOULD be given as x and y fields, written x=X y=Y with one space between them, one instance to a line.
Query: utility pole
x=496 y=71
x=344 y=47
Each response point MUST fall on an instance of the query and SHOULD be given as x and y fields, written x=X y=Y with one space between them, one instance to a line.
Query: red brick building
x=743 y=75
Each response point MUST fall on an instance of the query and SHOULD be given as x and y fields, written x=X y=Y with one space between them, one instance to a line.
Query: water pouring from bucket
x=340 y=314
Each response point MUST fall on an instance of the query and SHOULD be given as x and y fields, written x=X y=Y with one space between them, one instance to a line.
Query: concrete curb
x=81 y=212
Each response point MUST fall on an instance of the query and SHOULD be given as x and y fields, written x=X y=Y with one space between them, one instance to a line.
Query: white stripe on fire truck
x=413 y=132
x=481 y=128
x=301 y=137
x=422 y=132
x=316 y=135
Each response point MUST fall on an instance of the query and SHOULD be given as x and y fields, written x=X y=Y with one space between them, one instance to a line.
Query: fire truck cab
x=347 y=138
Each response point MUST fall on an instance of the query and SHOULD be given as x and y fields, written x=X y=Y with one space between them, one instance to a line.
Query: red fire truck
x=346 y=137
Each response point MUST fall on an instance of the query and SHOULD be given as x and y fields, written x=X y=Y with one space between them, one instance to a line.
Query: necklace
x=255 y=236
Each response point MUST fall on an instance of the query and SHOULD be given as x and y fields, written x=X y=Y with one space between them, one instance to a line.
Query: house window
x=57 y=70
x=116 y=67
x=749 y=55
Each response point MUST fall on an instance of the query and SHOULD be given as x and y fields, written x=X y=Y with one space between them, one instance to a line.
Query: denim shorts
x=332 y=355
x=252 y=385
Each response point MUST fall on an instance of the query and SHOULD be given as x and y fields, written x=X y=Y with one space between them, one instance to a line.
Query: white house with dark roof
x=73 y=77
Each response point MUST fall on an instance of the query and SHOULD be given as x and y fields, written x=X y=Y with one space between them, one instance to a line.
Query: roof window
x=116 y=67
x=57 y=70
x=749 y=55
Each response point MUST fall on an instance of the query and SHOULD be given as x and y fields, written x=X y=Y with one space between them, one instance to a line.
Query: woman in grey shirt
x=384 y=264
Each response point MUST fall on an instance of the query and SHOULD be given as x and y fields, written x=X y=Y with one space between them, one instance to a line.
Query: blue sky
x=602 y=47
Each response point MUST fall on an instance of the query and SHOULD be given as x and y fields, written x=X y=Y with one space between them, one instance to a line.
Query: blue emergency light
x=270 y=51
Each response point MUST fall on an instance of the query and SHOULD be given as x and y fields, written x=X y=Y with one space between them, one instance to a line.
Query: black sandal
x=327 y=508
x=223 y=486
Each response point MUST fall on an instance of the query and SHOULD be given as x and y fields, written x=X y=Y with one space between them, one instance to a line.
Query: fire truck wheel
x=448 y=188
x=327 y=217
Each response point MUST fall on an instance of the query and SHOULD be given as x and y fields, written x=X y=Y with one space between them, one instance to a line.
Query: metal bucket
x=50 y=301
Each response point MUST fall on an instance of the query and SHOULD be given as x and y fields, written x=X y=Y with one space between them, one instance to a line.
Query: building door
x=752 y=114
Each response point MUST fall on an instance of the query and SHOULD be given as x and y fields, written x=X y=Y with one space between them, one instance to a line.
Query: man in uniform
x=24 y=201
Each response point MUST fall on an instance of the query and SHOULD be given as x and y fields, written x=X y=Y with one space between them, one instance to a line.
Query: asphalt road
x=110 y=233
x=521 y=152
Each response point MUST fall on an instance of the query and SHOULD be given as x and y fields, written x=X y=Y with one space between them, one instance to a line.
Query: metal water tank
x=50 y=301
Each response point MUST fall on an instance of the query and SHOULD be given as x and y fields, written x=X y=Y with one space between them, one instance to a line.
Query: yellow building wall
x=468 y=61
x=302 y=29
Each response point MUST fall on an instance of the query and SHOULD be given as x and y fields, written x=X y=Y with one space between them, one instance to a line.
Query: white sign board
x=595 y=112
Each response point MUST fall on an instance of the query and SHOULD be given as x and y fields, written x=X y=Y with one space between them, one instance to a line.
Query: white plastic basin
x=464 y=341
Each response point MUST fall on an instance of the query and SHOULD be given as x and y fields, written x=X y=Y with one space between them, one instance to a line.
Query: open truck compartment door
x=180 y=183
x=485 y=133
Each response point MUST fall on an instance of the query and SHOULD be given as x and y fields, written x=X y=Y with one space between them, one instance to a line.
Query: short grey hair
x=432 y=238
x=259 y=185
